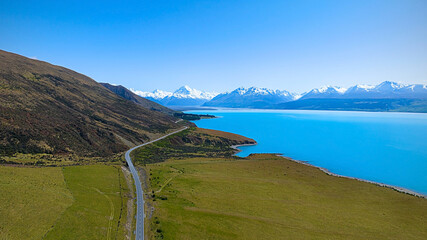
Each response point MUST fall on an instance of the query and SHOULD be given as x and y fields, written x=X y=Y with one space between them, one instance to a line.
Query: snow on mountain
x=385 y=89
x=252 y=97
x=261 y=91
x=187 y=92
x=325 y=92
x=184 y=96
x=412 y=91
x=388 y=86
x=156 y=94
x=360 y=89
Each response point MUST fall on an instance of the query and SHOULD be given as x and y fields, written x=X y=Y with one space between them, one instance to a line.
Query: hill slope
x=129 y=95
x=51 y=109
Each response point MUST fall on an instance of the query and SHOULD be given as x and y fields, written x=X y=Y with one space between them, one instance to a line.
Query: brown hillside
x=51 y=109
x=127 y=94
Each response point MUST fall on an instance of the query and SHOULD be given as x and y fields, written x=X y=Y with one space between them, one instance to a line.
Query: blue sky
x=221 y=45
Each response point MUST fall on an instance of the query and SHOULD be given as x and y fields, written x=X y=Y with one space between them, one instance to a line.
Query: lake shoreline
x=396 y=188
x=236 y=147
x=364 y=142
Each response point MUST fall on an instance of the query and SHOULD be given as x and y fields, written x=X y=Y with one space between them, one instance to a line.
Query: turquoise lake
x=389 y=148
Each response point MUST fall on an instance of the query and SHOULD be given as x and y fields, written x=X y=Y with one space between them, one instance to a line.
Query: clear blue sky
x=221 y=45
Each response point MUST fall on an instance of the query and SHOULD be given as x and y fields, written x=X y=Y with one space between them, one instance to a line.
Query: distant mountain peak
x=326 y=91
x=329 y=88
x=184 y=96
x=389 y=86
x=260 y=91
x=186 y=91
x=386 y=89
x=251 y=97
x=156 y=94
x=240 y=90
x=364 y=86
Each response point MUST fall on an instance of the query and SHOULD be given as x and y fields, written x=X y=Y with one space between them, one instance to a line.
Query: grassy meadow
x=31 y=201
x=99 y=207
x=270 y=197
x=75 y=202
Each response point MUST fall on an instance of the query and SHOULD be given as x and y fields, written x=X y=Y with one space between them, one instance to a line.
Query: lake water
x=390 y=148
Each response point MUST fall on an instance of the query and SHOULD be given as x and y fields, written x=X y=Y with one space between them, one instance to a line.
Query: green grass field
x=31 y=200
x=76 y=202
x=269 y=197
x=99 y=207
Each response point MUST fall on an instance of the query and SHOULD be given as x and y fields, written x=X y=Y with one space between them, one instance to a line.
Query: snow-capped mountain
x=383 y=96
x=187 y=92
x=388 y=87
x=156 y=94
x=387 y=96
x=325 y=92
x=385 y=89
x=252 y=97
x=360 y=90
x=184 y=96
x=396 y=90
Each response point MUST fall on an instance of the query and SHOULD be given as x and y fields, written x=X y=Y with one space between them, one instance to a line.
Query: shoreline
x=236 y=147
x=396 y=188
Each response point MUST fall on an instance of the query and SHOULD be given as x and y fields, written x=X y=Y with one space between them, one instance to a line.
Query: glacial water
x=389 y=148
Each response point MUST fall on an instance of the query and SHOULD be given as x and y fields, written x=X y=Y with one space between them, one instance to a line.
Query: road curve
x=139 y=193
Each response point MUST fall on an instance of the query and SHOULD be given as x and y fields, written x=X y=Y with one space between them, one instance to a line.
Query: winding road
x=139 y=235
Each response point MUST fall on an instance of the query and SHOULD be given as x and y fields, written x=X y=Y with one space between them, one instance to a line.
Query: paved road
x=139 y=197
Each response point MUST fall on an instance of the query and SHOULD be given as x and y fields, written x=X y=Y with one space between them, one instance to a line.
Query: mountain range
x=386 y=90
x=386 y=96
x=252 y=97
x=184 y=96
